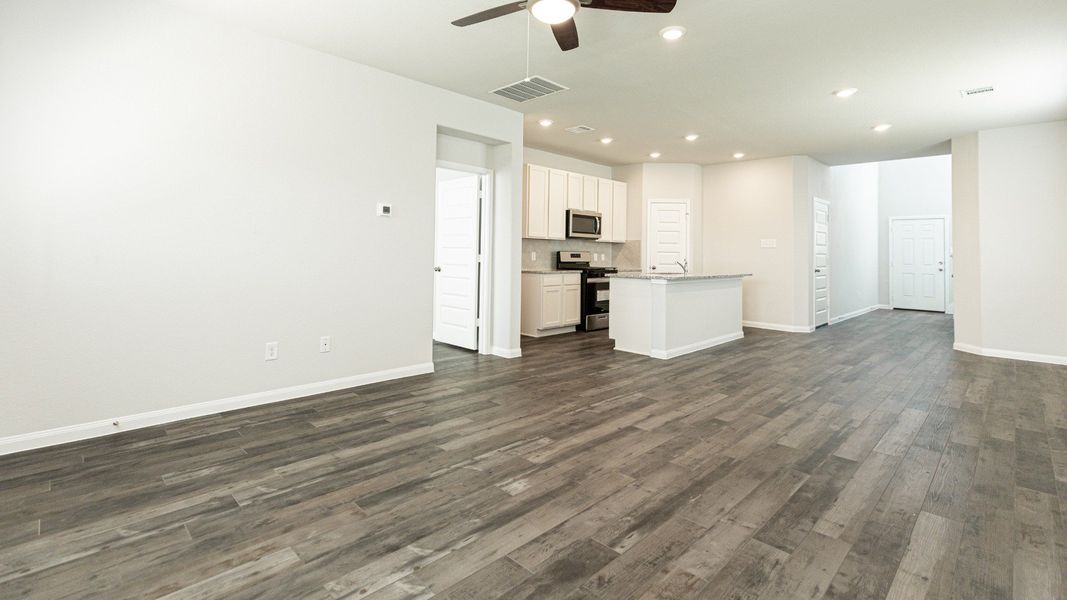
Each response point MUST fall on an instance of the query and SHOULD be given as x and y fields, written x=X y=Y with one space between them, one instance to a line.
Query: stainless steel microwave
x=583 y=224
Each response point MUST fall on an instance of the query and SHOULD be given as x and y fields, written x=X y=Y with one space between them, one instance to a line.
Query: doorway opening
x=918 y=263
x=461 y=266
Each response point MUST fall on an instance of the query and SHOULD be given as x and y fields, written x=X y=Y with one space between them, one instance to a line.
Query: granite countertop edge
x=678 y=276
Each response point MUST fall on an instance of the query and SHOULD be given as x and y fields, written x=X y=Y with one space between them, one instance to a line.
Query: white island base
x=664 y=316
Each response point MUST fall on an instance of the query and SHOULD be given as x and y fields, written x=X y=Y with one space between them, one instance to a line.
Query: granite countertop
x=677 y=276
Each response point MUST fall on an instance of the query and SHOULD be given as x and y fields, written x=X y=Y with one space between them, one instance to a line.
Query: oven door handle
x=598 y=280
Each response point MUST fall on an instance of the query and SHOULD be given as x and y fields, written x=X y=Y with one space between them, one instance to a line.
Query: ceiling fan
x=560 y=14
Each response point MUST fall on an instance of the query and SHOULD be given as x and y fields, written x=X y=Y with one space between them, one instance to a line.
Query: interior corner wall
x=854 y=239
x=912 y=187
x=967 y=271
x=744 y=203
x=1022 y=203
x=175 y=193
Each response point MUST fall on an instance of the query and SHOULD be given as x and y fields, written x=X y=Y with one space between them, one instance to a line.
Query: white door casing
x=668 y=235
x=821 y=263
x=917 y=264
x=456 y=258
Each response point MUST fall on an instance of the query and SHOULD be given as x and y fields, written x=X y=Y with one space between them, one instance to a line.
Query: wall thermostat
x=385 y=210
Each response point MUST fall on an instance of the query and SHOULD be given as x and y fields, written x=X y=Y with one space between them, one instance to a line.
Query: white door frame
x=829 y=263
x=485 y=249
x=688 y=228
x=946 y=247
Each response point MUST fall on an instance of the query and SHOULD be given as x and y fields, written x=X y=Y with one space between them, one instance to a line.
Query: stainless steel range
x=596 y=288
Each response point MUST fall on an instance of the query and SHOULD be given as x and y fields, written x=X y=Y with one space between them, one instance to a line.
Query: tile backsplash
x=604 y=255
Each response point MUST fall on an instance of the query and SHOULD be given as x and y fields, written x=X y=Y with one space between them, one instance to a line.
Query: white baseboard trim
x=884 y=307
x=1012 y=354
x=698 y=346
x=506 y=352
x=83 y=431
x=778 y=327
x=855 y=313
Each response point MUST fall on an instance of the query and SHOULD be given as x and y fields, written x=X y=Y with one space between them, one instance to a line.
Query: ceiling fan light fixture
x=553 y=12
x=672 y=33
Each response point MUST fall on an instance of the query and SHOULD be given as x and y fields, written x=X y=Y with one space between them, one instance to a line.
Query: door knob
x=653 y=267
x=437 y=269
x=818 y=270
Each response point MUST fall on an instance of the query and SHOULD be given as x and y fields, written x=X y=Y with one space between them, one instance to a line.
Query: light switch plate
x=768 y=243
x=270 y=352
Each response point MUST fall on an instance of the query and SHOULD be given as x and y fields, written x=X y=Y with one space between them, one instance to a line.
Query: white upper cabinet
x=618 y=213
x=536 y=202
x=549 y=193
x=589 y=190
x=605 y=191
x=574 y=191
x=557 y=204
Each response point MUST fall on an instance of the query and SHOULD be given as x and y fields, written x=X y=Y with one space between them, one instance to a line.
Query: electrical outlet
x=324 y=343
x=271 y=351
x=533 y=257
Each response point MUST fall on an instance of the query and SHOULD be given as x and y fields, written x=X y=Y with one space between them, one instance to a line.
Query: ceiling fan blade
x=566 y=35
x=492 y=13
x=645 y=6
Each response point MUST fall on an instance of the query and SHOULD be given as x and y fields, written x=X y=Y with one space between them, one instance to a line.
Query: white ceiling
x=752 y=75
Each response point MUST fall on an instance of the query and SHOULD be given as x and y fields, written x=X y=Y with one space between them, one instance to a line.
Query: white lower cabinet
x=551 y=303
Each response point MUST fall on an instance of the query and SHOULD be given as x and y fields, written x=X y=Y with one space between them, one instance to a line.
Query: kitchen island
x=667 y=315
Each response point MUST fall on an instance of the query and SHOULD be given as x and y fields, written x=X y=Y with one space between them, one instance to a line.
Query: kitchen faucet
x=683 y=265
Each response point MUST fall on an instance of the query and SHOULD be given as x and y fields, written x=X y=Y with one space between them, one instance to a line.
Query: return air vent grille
x=528 y=89
x=580 y=129
x=975 y=91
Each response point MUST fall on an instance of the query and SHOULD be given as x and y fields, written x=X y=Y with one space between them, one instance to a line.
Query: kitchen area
x=582 y=270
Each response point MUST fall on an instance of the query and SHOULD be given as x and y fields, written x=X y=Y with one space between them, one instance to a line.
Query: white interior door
x=917 y=267
x=668 y=235
x=821 y=261
x=456 y=272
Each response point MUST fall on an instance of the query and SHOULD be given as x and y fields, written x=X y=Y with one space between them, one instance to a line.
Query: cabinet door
x=589 y=189
x=551 y=306
x=572 y=304
x=618 y=213
x=574 y=191
x=536 y=196
x=605 y=191
x=557 y=204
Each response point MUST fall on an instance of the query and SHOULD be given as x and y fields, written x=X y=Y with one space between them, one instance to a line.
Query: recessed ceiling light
x=882 y=127
x=553 y=12
x=846 y=92
x=655 y=155
x=739 y=154
x=606 y=140
x=674 y=32
x=692 y=137
x=546 y=122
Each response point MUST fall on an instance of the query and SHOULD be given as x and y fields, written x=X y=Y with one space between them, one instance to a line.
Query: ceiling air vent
x=529 y=89
x=580 y=129
x=975 y=91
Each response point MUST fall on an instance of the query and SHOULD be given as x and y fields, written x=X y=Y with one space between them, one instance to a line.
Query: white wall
x=913 y=187
x=175 y=193
x=744 y=203
x=854 y=226
x=1021 y=204
x=966 y=241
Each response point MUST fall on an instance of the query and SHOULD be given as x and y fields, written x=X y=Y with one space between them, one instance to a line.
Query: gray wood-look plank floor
x=866 y=460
